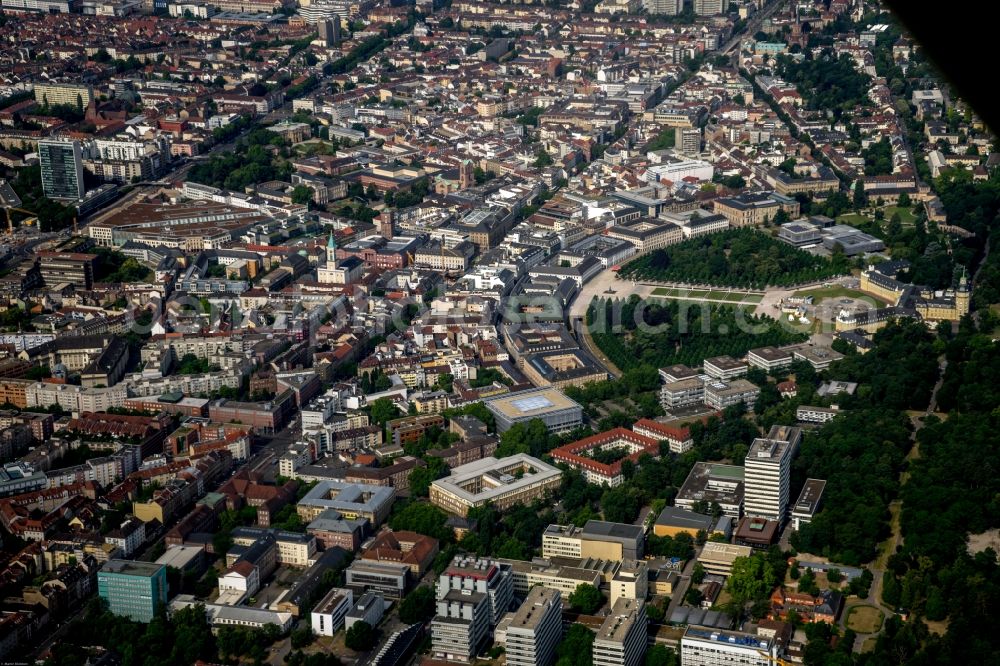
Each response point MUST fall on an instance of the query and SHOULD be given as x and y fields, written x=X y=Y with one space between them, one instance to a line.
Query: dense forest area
x=259 y=157
x=736 y=258
x=675 y=332
x=827 y=82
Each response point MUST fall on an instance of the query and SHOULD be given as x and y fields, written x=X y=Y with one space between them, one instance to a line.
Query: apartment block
x=74 y=94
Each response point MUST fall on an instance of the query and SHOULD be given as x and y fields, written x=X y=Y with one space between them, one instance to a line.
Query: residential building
x=767 y=479
x=76 y=95
x=621 y=639
x=135 y=590
x=128 y=536
x=535 y=629
x=517 y=479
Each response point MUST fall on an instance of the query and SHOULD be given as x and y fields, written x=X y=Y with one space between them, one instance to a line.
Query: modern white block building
x=328 y=615
x=704 y=646
x=535 y=630
x=622 y=639
x=767 y=479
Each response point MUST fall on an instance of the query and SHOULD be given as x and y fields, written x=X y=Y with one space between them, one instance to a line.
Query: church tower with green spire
x=331 y=251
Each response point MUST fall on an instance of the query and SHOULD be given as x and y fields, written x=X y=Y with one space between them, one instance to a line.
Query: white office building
x=710 y=7
x=472 y=595
x=622 y=639
x=535 y=630
x=704 y=646
x=664 y=7
x=767 y=479
x=328 y=615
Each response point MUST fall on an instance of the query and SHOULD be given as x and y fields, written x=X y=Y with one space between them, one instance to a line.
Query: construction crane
x=10 y=201
x=774 y=660
x=10 y=222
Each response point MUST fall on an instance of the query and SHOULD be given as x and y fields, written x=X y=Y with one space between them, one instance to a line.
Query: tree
x=807 y=583
x=693 y=596
x=422 y=477
x=698 y=574
x=383 y=410
x=302 y=194
x=300 y=638
x=423 y=518
x=417 y=606
x=577 y=647
x=752 y=579
x=860 y=198
x=361 y=637
x=542 y=158
x=660 y=655
x=586 y=599
x=619 y=505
